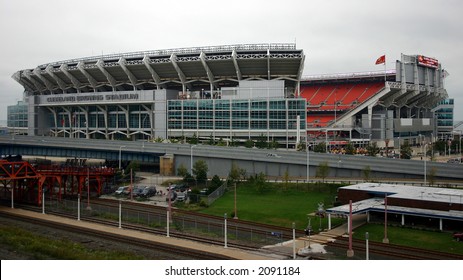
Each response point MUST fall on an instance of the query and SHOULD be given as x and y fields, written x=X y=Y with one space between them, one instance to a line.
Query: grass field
x=276 y=204
x=432 y=240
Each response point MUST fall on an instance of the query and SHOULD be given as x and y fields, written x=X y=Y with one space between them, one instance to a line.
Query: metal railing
x=168 y=52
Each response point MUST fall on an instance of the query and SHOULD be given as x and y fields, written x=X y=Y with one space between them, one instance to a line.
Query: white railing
x=208 y=49
x=347 y=75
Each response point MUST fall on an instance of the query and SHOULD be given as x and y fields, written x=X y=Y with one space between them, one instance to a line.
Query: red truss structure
x=29 y=183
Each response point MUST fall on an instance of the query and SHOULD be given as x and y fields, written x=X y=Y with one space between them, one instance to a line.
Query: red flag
x=381 y=60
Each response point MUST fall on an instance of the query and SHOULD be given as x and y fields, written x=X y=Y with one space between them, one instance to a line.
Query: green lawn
x=432 y=240
x=277 y=204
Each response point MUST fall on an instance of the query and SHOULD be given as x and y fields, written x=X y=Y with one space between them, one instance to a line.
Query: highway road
x=273 y=163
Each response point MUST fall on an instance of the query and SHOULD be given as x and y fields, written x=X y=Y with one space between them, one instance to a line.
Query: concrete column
x=403 y=219
x=329 y=221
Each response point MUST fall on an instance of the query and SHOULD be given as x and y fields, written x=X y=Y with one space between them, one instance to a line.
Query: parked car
x=179 y=187
x=148 y=192
x=127 y=190
x=121 y=190
x=137 y=191
x=182 y=196
x=173 y=196
x=458 y=236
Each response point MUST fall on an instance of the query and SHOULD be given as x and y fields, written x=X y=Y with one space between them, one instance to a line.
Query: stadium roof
x=185 y=68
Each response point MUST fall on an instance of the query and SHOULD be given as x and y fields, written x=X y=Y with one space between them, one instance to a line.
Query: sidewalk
x=318 y=241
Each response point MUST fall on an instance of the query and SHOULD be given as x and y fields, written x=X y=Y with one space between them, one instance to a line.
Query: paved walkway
x=315 y=243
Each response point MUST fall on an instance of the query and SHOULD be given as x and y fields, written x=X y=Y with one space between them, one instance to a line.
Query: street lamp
x=191 y=159
x=366 y=246
x=459 y=132
x=294 y=241
x=425 y=148
x=120 y=153
x=308 y=163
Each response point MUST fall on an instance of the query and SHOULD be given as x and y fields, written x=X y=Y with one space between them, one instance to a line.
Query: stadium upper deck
x=182 y=69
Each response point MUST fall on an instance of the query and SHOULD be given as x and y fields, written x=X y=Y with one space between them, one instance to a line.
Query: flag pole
x=385 y=70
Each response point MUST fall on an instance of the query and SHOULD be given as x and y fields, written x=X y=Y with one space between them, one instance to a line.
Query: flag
x=381 y=60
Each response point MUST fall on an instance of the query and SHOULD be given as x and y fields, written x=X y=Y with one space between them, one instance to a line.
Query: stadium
x=232 y=93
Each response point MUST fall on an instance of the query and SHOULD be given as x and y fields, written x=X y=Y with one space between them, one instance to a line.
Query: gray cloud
x=337 y=36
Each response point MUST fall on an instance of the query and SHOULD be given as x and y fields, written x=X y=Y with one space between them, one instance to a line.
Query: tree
x=405 y=151
x=301 y=146
x=350 y=149
x=211 y=140
x=193 y=140
x=261 y=142
x=215 y=182
x=372 y=149
x=200 y=169
x=322 y=170
x=286 y=179
x=273 y=144
x=182 y=171
x=249 y=143
x=236 y=173
x=221 y=142
x=320 y=147
x=432 y=176
x=366 y=173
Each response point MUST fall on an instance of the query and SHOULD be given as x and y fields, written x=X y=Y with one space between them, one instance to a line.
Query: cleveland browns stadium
x=233 y=93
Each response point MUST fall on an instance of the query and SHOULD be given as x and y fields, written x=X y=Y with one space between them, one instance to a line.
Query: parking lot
x=148 y=180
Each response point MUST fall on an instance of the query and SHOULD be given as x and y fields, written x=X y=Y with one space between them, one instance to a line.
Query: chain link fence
x=181 y=222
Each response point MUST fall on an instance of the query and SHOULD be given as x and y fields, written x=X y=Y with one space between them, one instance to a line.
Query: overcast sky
x=337 y=36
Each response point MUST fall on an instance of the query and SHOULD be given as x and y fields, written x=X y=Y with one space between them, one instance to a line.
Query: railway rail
x=133 y=241
x=378 y=250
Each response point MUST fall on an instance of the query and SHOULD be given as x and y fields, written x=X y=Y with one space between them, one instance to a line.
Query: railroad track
x=169 y=248
x=157 y=231
x=390 y=251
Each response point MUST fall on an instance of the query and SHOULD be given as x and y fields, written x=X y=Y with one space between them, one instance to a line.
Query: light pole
x=191 y=159
x=326 y=140
x=385 y=239
x=308 y=163
x=120 y=155
x=366 y=246
x=425 y=149
x=432 y=146
x=421 y=145
x=459 y=148
x=225 y=230
x=294 y=241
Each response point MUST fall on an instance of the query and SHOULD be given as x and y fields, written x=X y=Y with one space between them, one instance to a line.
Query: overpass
x=273 y=163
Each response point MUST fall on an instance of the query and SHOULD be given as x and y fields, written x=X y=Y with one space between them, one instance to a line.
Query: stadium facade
x=233 y=92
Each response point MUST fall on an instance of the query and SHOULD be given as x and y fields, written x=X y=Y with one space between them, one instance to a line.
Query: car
x=127 y=190
x=173 y=196
x=182 y=196
x=137 y=191
x=121 y=190
x=458 y=236
x=179 y=187
x=148 y=192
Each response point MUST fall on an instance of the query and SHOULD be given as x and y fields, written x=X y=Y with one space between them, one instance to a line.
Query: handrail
x=168 y=52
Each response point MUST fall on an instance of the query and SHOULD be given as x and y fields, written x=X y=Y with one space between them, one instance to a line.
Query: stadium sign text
x=428 y=62
x=93 y=97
